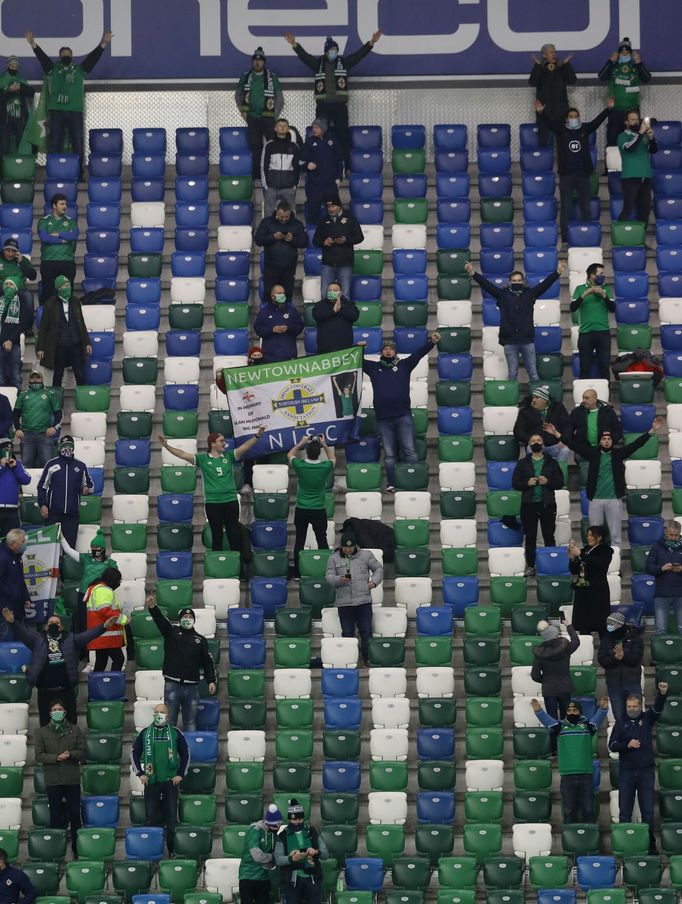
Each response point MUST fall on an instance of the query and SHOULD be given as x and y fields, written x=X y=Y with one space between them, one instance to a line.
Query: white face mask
x=160 y=719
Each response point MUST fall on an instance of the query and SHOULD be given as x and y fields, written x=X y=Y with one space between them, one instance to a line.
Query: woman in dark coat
x=591 y=597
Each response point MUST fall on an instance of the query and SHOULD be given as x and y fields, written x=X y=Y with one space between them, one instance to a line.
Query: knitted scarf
x=268 y=91
x=165 y=734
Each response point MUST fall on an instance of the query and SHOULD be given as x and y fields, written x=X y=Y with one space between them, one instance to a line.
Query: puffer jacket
x=551 y=666
x=363 y=569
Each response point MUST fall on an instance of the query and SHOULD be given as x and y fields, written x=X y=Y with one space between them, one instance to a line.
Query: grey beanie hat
x=547 y=631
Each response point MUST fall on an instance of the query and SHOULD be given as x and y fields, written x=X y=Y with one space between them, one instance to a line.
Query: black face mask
x=536 y=447
x=604 y=449
x=54 y=630
x=516 y=288
x=66 y=60
x=573 y=718
x=13 y=71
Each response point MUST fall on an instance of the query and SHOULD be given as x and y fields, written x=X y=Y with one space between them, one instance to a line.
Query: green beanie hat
x=98 y=540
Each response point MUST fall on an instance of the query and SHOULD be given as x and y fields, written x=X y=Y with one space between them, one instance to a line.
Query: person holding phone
x=591 y=305
x=636 y=145
x=354 y=573
x=665 y=563
x=620 y=655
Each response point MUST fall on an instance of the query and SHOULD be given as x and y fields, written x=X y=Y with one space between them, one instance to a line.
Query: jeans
x=271 y=197
x=302 y=518
x=568 y=184
x=637 y=199
x=71 y=356
x=224 y=515
x=396 y=432
x=532 y=514
x=183 y=697
x=49 y=271
x=102 y=657
x=64 y=802
x=10 y=367
x=618 y=694
x=254 y=891
x=36 y=449
x=260 y=129
x=557 y=451
x=282 y=277
x=62 y=121
x=577 y=794
x=69 y=525
x=611 y=511
x=336 y=115
x=161 y=806
x=595 y=342
x=641 y=783
x=48 y=695
x=511 y=353
x=662 y=607
x=360 y=617
x=341 y=275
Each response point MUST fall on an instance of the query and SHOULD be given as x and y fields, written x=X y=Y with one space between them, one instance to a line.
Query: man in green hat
x=93 y=565
x=63 y=339
x=37 y=419
x=17 y=97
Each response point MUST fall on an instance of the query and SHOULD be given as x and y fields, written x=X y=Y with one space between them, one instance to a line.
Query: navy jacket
x=15 y=886
x=626 y=730
x=278 y=346
x=334 y=331
x=10 y=481
x=61 y=484
x=15 y=593
x=391 y=385
x=137 y=752
x=6 y=416
x=516 y=310
x=72 y=646
x=344 y=225
x=280 y=255
x=668 y=583
x=327 y=156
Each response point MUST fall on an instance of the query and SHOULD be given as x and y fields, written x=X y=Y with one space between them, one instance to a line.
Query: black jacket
x=529 y=421
x=516 y=310
x=72 y=646
x=550 y=86
x=15 y=593
x=334 y=331
x=279 y=162
x=607 y=421
x=593 y=454
x=524 y=471
x=25 y=95
x=552 y=663
x=186 y=655
x=332 y=227
x=627 y=670
x=280 y=254
x=641 y=729
x=573 y=141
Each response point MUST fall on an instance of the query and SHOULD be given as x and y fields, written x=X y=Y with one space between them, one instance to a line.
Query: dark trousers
x=336 y=115
x=27 y=316
x=224 y=515
x=570 y=183
x=302 y=518
x=279 y=277
x=596 y=342
x=12 y=129
x=71 y=356
x=532 y=514
x=254 y=891
x=577 y=794
x=63 y=122
x=161 y=807
x=49 y=271
x=64 y=802
x=360 y=617
x=641 y=783
x=636 y=200
x=304 y=892
x=69 y=525
x=314 y=199
x=102 y=657
x=9 y=519
x=260 y=129
x=65 y=695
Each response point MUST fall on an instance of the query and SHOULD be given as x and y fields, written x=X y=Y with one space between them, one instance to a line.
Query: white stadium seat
x=311 y=289
x=601 y=387
x=181 y=369
x=11 y=392
x=235 y=238
x=270 y=478
x=339 y=652
x=458 y=532
x=387 y=807
x=614 y=808
x=524 y=717
x=522 y=684
x=221 y=876
x=246 y=746
x=362 y=505
x=495 y=367
x=411 y=593
x=532 y=839
x=330 y=623
x=504 y=560
x=88 y=425
x=483 y=775
x=187 y=445
x=410 y=236
x=580 y=258
x=456 y=475
x=99 y=318
x=419 y=394
x=388 y=744
x=90 y=452
x=435 y=681
x=10 y=813
x=584 y=655
x=137 y=398
x=387 y=682
x=411 y=504
x=140 y=344
x=222 y=594
x=675 y=445
x=147 y=214
x=490 y=341
x=143 y=712
x=13 y=718
x=131 y=595
x=614 y=162
x=13 y=749
x=391 y=712
x=85 y=534
x=373 y=238
x=292 y=684
x=670 y=310
x=187 y=290
x=643 y=475
x=499 y=420
x=453 y=314
x=389 y=622
x=547 y=312
x=311 y=541
x=132 y=565
x=205 y=621
x=130 y=508
x=149 y=684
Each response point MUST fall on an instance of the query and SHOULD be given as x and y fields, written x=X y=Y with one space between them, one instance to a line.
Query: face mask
x=634 y=127
x=160 y=719
x=66 y=451
x=57 y=715
x=536 y=447
x=516 y=288
x=280 y=298
x=22 y=549
x=8 y=292
x=573 y=123
x=64 y=293
x=13 y=71
x=332 y=296
x=624 y=57
x=332 y=55
x=611 y=628
x=599 y=280
x=98 y=553
x=573 y=718
x=35 y=387
x=65 y=60
x=54 y=630
x=187 y=623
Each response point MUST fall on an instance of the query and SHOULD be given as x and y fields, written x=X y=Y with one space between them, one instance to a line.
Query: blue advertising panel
x=180 y=40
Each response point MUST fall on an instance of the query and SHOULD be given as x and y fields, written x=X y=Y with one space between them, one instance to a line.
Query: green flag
x=35 y=133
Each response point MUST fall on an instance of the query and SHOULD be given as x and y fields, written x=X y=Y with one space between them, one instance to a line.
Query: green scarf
x=59 y=727
x=165 y=734
x=672 y=544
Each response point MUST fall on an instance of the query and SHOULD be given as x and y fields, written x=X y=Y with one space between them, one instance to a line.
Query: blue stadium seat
x=370 y=161
x=412 y=287
x=232 y=290
x=637 y=418
x=435 y=743
x=145 y=240
x=365 y=138
x=668 y=133
x=528 y=136
x=668 y=184
x=644 y=531
x=538 y=160
x=667 y=159
x=23 y=237
x=231 y=342
x=556 y=896
x=147 y=190
x=98 y=373
x=365 y=450
x=144 y=843
x=100 y=812
x=539 y=262
x=208 y=714
x=132 y=453
x=539 y=210
x=190 y=216
x=175 y=507
x=97 y=475
x=106 y=141
x=106 y=686
x=409 y=339
x=192 y=141
x=190 y=240
x=453 y=186
x=191 y=188
x=499 y=281
x=434 y=621
x=595 y=871
x=450 y=236
x=232 y=263
x=493 y=135
x=449 y=211
x=104 y=191
x=670 y=285
x=236 y=163
x=676 y=468
x=203 y=746
x=552 y=560
x=584 y=235
x=103 y=241
x=495 y=162
x=63 y=167
x=90 y=284
x=454 y=420
x=183 y=342
x=181 y=397
x=499 y=186
x=635 y=311
x=234 y=141
x=268 y=594
x=631 y=285
x=500 y=534
x=669 y=259
x=499 y=475
x=104 y=167
x=192 y=165
x=341 y=775
x=16 y=216
x=456 y=161
x=370 y=213
x=149 y=141
x=100 y=266
x=497 y=236
x=312 y=262
x=408 y=137
x=629 y=259
x=643 y=590
x=143 y=291
x=340 y=682
x=437 y=808
x=187 y=263
x=409 y=262
x=409 y=185
x=269 y=534
x=246 y=652
x=540 y=235
x=668 y=208
x=14 y=656
x=371 y=336
x=497 y=261
x=146 y=166
x=455 y=367
x=538 y=185
x=66 y=187
x=174 y=565
x=671 y=337
x=449 y=137
x=364 y=874
x=366 y=187
x=245 y=622
x=102 y=345
x=547 y=340
x=342 y=713
x=459 y=593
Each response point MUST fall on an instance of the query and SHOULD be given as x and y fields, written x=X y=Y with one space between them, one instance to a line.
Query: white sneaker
x=88 y=668
x=246 y=489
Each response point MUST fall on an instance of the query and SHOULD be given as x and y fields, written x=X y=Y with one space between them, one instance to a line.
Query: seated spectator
x=664 y=561
x=278 y=324
x=620 y=655
x=552 y=666
x=37 y=419
x=537 y=476
x=535 y=412
x=334 y=317
x=593 y=417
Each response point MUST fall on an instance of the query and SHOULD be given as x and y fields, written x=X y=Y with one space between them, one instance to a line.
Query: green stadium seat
x=459 y=561
x=455 y=448
x=368 y=263
x=175 y=877
x=500 y=448
x=497 y=210
x=411 y=532
x=454 y=340
x=235 y=188
x=40 y=811
x=671 y=838
x=633 y=335
x=341 y=745
x=457 y=872
x=371 y=314
x=339 y=807
x=14 y=689
x=668 y=740
x=482 y=840
x=505 y=896
x=246 y=684
x=149 y=654
x=341 y=841
x=503 y=872
x=550 y=367
x=200 y=779
x=178 y=479
x=403 y=161
x=483 y=682
x=234 y=843
x=386 y=652
x=180 y=424
x=521 y=649
x=457 y=503
x=437 y=712
x=292 y=622
x=90 y=510
x=436 y=775
x=292 y=777
x=11 y=781
x=16 y=168
x=312 y=563
x=363 y=476
x=129 y=538
x=294 y=713
x=453 y=393
x=388 y=775
x=453 y=288
x=481 y=651
x=100 y=779
x=509 y=592
x=17 y=192
x=411 y=210
x=670 y=774
x=531 y=743
x=197 y=809
x=411 y=872
x=131 y=480
x=532 y=806
x=483 y=712
x=657 y=896
x=548 y=872
x=451 y=262
x=84 y=877
x=433 y=651
x=483 y=806
x=96 y=844
x=501 y=503
x=629 y=839
x=92 y=398
x=103 y=747
x=292 y=652
x=385 y=841
x=191 y=316
x=580 y=839
x=645 y=503
x=643 y=871
x=628 y=233
x=675 y=866
x=354 y=897
x=247 y=715
x=272 y=563
x=484 y=743
x=45 y=845
x=482 y=621
x=243 y=808
x=636 y=389
x=193 y=842
x=245 y=777
x=532 y=775
x=294 y=744
x=43 y=876
x=134 y=424
x=9 y=842
x=434 y=841
x=500 y=392
x=584 y=681
x=315 y=595
x=140 y=371
x=142 y=624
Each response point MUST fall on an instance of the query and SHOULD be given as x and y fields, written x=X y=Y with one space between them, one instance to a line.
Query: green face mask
x=186 y=623
x=64 y=293
x=57 y=715
x=35 y=387
x=9 y=292
x=332 y=296
x=160 y=719
x=280 y=298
